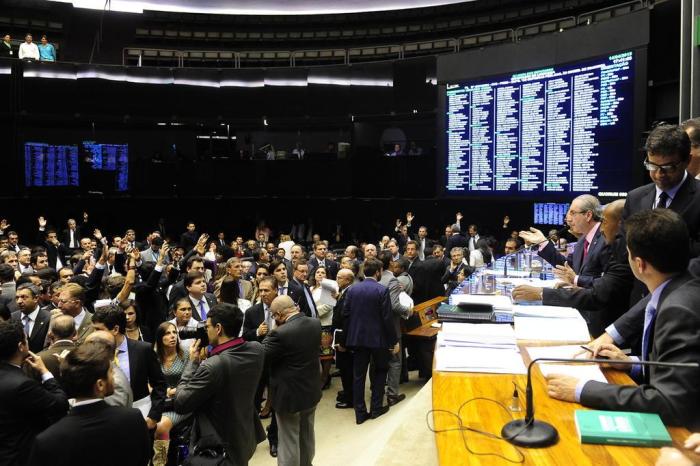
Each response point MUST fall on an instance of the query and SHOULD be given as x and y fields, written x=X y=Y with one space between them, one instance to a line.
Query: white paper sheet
x=562 y=352
x=580 y=371
x=496 y=361
x=328 y=289
x=546 y=329
x=527 y=281
x=143 y=405
x=557 y=312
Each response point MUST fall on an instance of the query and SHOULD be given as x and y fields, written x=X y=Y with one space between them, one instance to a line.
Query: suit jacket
x=399 y=311
x=211 y=300
x=88 y=435
x=597 y=258
x=65 y=238
x=7 y=51
x=429 y=243
x=296 y=292
x=28 y=407
x=427 y=279
x=369 y=320
x=247 y=288
x=149 y=256
x=608 y=296
x=144 y=370
x=686 y=203
x=7 y=296
x=291 y=353
x=222 y=390
x=252 y=319
x=39 y=331
x=188 y=240
x=85 y=327
x=122 y=396
x=673 y=393
x=332 y=268
x=51 y=362
x=455 y=241
x=339 y=317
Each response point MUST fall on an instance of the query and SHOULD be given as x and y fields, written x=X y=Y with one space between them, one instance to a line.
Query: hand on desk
x=562 y=387
x=527 y=293
x=565 y=273
x=673 y=457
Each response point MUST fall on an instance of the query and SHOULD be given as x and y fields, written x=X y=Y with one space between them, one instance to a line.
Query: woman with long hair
x=261 y=272
x=172 y=361
x=134 y=329
x=482 y=255
x=325 y=315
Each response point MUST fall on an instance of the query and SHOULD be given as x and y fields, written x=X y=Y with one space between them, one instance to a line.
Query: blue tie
x=649 y=316
x=202 y=312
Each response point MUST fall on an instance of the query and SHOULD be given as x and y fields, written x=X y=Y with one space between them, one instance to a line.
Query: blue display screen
x=48 y=165
x=110 y=157
x=549 y=213
x=556 y=131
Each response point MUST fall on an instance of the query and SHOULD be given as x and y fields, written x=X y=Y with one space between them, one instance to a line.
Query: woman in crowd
x=172 y=361
x=47 y=52
x=480 y=256
x=325 y=315
x=134 y=329
x=183 y=319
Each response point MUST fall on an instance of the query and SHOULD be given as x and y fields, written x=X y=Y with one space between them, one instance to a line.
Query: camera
x=197 y=333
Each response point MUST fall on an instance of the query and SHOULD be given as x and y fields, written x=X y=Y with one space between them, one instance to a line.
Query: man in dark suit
x=456 y=265
x=7 y=287
x=591 y=253
x=658 y=245
x=6 y=48
x=319 y=259
x=71 y=235
x=93 y=432
x=427 y=278
x=62 y=334
x=423 y=241
x=343 y=356
x=55 y=250
x=456 y=239
x=370 y=333
x=299 y=291
x=28 y=406
x=202 y=302
x=189 y=238
x=291 y=351
x=137 y=359
x=33 y=319
x=220 y=390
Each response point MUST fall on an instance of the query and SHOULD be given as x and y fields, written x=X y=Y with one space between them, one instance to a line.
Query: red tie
x=585 y=249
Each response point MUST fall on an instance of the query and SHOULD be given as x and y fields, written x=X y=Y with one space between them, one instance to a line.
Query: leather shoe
x=273 y=450
x=361 y=417
x=340 y=396
x=343 y=405
x=394 y=399
x=378 y=412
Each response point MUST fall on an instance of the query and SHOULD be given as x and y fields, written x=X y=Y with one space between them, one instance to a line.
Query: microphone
x=512 y=254
x=531 y=433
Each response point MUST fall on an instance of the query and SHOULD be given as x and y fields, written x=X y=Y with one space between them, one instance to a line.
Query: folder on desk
x=621 y=428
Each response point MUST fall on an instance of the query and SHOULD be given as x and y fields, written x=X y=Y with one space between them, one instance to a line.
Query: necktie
x=27 y=321
x=310 y=301
x=649 y=316
x=281 y=291
x=663 y=200
x=202 y=311
x=585 y=249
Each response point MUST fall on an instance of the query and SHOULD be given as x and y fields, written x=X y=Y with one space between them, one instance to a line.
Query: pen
x=587 y=348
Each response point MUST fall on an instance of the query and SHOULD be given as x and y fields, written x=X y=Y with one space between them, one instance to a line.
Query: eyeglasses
x=652 y=167
x=574 y=212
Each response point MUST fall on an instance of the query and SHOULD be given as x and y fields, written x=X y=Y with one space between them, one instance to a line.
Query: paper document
x=545 y=329
x=557 y=312
x=496 y=361
x=582 y=372
x=497 y=301
x=464 y=334
x=143 y=405
x=562 y=352
x=328 y=289
x=527 y=281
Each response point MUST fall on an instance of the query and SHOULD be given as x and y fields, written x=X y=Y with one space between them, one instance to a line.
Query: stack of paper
x=560 y=352
x=557 y=312
x=329 y=288
x=463 y=347
x=527 y=281
x=549 y=329
x=583 y=372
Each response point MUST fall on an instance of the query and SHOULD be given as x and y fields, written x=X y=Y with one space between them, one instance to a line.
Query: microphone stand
x=531 y=433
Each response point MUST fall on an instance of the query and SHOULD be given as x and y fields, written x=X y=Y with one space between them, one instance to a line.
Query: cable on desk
x=462 y=427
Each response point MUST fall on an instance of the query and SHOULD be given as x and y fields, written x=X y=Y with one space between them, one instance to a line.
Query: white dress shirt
x=28 y=51
x=32 y=320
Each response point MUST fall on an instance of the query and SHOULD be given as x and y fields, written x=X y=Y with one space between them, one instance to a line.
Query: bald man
x=122 y=396
x=62 y=335
x=291 y=353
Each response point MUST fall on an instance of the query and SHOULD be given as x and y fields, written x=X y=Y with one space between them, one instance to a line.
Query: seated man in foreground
x=658 y=246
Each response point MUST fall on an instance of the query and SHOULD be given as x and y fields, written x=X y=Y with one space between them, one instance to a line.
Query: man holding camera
x=220 y=390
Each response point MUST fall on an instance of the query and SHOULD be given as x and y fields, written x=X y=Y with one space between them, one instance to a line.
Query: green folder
x=621 y=428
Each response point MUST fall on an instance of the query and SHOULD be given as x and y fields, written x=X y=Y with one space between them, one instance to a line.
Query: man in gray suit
x=291 y=351
x=7 y=287
x=122 y=396
x=399 y=312
x=152 y=254
x=221 y=389
x=658 y=244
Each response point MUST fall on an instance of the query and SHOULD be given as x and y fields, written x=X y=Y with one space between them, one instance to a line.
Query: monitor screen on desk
x=562 y=130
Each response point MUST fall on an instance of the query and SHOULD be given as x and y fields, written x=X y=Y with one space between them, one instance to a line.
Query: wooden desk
x=427 y=313
x=451 y=389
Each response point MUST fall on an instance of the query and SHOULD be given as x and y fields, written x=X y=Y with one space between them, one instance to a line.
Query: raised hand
x=4 y=225
x=409 y=217
x=459 y=216
x=534 y=236
x=42 y=222
x=97 y=234
x=398 y=222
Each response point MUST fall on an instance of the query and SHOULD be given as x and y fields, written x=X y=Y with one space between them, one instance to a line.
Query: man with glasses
x=591 y=254
x=668 y=152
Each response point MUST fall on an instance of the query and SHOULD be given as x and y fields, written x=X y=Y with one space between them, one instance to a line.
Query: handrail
x=294 y=54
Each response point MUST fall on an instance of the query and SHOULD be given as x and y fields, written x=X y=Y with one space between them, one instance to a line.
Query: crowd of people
x=206 y=337
x=28 y=50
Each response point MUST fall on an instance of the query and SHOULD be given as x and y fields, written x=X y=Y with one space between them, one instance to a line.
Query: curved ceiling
x=259 y=7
